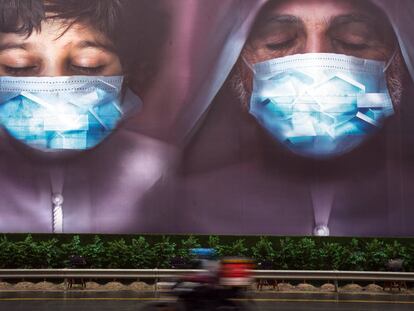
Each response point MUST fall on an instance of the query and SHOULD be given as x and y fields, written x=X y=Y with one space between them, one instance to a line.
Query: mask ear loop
x=248 y=64
x=388 y=64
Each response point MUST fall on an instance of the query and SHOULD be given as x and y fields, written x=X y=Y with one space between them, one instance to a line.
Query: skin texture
x=349 y=27
x=57 y=50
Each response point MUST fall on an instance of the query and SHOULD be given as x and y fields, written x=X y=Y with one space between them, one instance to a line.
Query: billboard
x=282 y=117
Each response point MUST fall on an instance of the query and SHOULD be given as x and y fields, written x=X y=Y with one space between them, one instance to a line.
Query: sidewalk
x=281 y=288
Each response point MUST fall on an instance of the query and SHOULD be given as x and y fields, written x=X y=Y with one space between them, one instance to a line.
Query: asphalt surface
x=129 y=300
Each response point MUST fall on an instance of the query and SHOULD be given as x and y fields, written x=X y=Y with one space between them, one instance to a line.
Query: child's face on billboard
x=57 y=51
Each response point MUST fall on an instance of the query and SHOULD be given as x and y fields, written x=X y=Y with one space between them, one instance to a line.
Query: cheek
x=382 y=54
x=378 y=53
x=247 y=79
x=256 y=53
x=251 y=55
x=259 y=54
x=397 y=75
x=245 y=72
x=114 y=68
x=242 y=82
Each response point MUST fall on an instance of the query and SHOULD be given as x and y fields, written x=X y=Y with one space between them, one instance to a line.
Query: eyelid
x=282 y=44
x=87 y=70
x=20 y=66
x=16 y=71
x=14 y=60
x=352 y=46
x=80 y=66
x=89 y=59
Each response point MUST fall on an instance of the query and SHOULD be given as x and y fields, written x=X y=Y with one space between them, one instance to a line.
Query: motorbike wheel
x=162 y=306
x=230 y=305
x=226 y=305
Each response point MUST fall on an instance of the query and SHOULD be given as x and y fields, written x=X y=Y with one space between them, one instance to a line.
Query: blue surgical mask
x=320 y=105
x=63 y=113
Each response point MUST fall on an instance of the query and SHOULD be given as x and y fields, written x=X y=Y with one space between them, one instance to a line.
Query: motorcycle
x=222 y=285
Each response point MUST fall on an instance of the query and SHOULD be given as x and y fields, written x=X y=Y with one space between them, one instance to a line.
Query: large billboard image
x=264 y=117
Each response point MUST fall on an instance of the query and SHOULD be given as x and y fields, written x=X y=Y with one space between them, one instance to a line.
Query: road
x=128 y=301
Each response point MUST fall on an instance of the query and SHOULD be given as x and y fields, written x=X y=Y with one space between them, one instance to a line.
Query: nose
x=317 y=42
x=53 y=69
x=54 y=62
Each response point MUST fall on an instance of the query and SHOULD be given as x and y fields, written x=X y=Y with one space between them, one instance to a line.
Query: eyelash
x=351 y=46
x=15 y=71
x=86 y=70
x=21 y=71
x=282 y=45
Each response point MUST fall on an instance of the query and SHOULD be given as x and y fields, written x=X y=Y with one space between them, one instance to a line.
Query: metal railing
x=164 y=274
x=94 y=273
x=334 y=275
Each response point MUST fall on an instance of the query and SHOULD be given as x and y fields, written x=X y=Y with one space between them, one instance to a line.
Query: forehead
x=308 y=10
x=56 y=33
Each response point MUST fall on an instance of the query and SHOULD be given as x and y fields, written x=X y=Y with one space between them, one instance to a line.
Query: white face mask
x=320 y=105
x=63 y=113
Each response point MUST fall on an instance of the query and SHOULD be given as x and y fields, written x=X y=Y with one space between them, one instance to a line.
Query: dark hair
x=124 y=22
x=24 y=16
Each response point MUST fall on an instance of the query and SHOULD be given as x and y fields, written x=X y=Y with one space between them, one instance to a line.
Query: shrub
x=164 y=252
x=270 y=252
x=142 y=253
x=94 y=253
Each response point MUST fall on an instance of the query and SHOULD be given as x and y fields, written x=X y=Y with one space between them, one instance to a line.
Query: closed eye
x=89 y=71
x=281 y=45
x=19 y=71
x=352 y=46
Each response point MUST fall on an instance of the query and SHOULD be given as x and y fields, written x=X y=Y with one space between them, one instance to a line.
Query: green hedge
x=17 y=251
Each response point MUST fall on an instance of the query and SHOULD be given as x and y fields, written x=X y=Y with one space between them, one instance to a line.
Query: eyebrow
x=280 y=21
x=95 y=44
x=283 y=19
x=12 y=46
x=335 y=20
x=353 y=18
x=81 y=45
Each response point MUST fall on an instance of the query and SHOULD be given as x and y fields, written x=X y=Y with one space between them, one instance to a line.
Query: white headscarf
x=205 y=41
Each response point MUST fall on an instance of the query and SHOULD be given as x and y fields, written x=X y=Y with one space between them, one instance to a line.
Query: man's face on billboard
x=56 y=50
x=350 y=27
x=320 y=26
